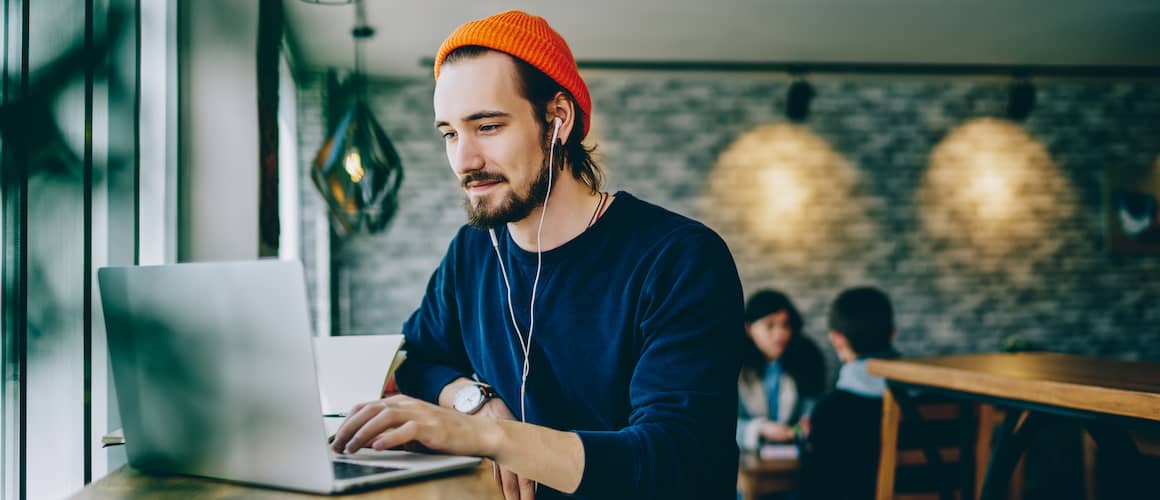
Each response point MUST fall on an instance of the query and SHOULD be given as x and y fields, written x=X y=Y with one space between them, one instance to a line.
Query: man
x=841 y=462
x=603 y=330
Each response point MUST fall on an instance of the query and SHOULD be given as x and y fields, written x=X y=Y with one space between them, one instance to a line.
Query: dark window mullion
x=137 y=133
x=86 y=286
x=19 y=264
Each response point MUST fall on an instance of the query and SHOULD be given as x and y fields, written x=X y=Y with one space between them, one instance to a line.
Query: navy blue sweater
x=638 y=322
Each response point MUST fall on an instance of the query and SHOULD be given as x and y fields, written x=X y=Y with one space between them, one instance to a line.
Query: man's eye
x=490 y=127
x=447 y=136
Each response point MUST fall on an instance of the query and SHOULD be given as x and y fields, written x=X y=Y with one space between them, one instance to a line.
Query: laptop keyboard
x=347 y=470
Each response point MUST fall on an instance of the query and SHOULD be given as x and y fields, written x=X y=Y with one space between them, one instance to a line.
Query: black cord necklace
x=603 y=197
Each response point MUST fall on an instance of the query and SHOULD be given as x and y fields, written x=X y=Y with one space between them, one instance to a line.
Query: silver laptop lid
x=214 y=371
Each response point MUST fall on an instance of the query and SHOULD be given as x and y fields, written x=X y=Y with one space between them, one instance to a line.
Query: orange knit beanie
x=530 y=39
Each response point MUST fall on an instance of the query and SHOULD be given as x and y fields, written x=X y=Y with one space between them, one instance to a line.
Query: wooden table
x=126 y=483
x=756 y=477
x=1104 y=395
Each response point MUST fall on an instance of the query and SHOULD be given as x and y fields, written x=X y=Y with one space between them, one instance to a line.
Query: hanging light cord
x=361 y=32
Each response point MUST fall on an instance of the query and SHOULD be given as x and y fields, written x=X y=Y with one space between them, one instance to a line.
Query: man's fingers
x=510 y=483
x=353 y=423
x=386 y=418
x=359 y=407
x=527 y=489
x=400 y=400
x=394 y=437
x=515 y=487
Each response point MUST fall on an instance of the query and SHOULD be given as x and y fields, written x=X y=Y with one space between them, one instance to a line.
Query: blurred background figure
x=782 y=372
x=841 y=455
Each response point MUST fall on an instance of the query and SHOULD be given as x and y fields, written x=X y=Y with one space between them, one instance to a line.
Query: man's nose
x=465 y=156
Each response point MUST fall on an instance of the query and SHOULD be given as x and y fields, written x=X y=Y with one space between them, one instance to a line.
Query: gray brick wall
x=884 y=171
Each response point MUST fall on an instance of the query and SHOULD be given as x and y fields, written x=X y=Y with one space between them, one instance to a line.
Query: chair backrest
x=946 y=427
x=1097 y=463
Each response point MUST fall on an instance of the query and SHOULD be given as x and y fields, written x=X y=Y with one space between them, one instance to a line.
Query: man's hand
x=776 y=432
x=554 y=458
x=398 y=420
x=514 y=487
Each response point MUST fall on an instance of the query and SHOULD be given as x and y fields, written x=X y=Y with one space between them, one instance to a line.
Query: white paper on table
x=353 y=368
x=778 y=451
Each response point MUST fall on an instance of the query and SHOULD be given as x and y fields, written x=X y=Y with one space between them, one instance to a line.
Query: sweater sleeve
x=747 y=425
x=435 y=351
x=680 y=438
x=749 y=431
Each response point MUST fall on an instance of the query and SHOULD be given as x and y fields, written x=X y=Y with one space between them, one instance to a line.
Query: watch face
x=468 y=399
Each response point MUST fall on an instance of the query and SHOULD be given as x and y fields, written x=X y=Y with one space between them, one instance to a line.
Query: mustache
x=481 y=177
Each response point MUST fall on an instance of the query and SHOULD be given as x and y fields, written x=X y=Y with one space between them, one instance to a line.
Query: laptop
x=215 y=375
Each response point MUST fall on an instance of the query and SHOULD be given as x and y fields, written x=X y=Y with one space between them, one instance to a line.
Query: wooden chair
x=941 y=427
x=1147 y=442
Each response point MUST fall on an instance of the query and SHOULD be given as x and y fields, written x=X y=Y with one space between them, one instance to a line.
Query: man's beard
x=515 y=207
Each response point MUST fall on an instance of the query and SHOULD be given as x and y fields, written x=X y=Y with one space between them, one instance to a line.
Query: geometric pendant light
x=357 y=170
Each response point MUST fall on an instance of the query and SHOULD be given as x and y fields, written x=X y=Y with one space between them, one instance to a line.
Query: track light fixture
x=1021 y=100
x=797 y=100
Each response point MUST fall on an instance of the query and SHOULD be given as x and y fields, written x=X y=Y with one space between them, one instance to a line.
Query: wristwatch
x=472 y=397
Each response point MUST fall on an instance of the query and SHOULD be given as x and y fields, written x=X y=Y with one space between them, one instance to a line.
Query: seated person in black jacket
x=841 y=456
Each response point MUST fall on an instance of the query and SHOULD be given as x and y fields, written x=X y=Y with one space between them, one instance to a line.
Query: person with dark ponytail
x=782 y=372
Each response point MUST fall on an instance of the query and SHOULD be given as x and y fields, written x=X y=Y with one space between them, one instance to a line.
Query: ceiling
x=991 y=32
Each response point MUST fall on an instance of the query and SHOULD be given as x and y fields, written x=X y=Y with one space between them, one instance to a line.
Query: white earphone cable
x=526 y=344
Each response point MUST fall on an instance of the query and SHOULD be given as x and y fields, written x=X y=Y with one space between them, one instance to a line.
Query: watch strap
x=488 y=391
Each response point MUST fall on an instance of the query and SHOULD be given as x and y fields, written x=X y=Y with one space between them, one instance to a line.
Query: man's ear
x=842 y=346
x=563 y=108
x=838 y=340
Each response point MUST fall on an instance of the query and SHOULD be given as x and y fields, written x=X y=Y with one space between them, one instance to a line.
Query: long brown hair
x=801 y=360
